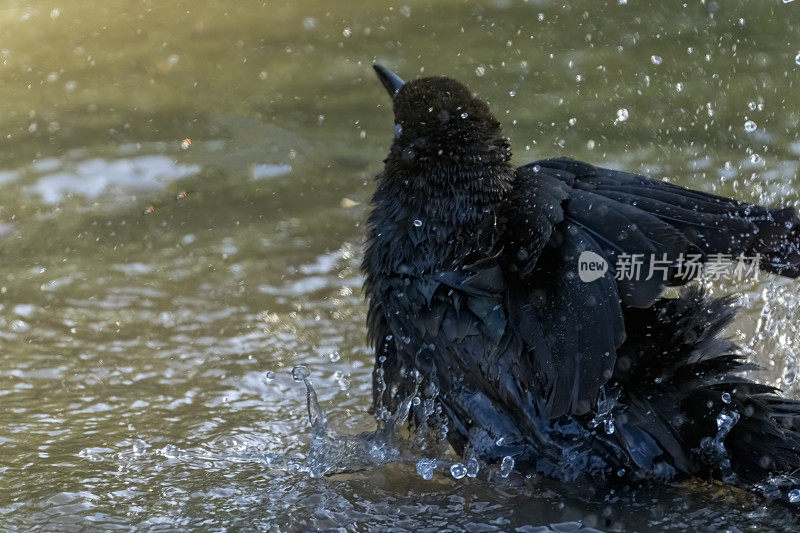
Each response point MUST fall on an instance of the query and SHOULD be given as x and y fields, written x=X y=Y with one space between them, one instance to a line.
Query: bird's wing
x=562 y=209
x=710 y=224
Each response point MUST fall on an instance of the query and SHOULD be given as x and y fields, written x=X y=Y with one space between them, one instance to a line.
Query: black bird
x=477 y=305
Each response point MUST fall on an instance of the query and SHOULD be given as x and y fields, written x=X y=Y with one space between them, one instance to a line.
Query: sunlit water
x=184 y=191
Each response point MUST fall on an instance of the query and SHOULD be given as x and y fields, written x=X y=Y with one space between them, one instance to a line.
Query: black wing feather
x=562 y=207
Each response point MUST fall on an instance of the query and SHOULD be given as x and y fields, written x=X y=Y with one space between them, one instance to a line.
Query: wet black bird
x=476 y=301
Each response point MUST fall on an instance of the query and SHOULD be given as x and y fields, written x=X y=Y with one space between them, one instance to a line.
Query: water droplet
x=621 y=472
x=656 y=60
x=170 y=451
x=794 y=494
x=334 y=356
x=425 y=468
x=726 y=397
x=269 y=375
x=416 y=401
x=139 y=446
x=346 y=32
x=18 y=326
x=458 y=470
x=300 y=372
x=797 y=58
x=573 y=121
x=464 y=115
x=755 y=158
x=472 y=467
x=417 y=223
x=506 y=466
x=512 y=94
x=750 y=126
x=480 y=71
x=622 y=115
x=725 y=421
x=788 y=1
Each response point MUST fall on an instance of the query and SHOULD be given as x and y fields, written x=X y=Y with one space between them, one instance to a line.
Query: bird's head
x=438 y=121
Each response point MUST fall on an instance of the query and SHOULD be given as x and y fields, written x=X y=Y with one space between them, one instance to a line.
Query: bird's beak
x=390 y=80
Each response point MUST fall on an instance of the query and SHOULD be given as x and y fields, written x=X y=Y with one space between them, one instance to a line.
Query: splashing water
x=331 y=452
x=713 y=448
x=334 y=453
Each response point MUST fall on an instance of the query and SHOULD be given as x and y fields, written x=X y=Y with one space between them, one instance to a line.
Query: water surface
x=184 y=192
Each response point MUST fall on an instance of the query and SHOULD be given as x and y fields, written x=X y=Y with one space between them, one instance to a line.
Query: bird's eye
x=398 y=130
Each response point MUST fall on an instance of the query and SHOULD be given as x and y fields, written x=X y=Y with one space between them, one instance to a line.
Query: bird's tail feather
x=689 y=407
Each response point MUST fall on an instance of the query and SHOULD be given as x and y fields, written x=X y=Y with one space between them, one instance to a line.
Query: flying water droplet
x=139 y=446
x=170 y=451
x=269 y=375
x=622 y=115
x=300 y=372
x=425 y=468
x=472 y=467
x=506 y=466
x=725 y=421
x=458 y=470
x=417 y=223
x=480 y=71
x=726 y=397
x=794 y=494
x=750 y=126
x=656 y=60
x=797 y=59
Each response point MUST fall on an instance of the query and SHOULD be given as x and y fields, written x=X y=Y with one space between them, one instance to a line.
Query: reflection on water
x=184 y=189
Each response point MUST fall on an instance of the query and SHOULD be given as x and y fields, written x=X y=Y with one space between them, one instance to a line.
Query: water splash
x=713 y=450
x=331 y=452
x=605 y=415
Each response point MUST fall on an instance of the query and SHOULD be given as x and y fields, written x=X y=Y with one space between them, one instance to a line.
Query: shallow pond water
x=183 y=199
